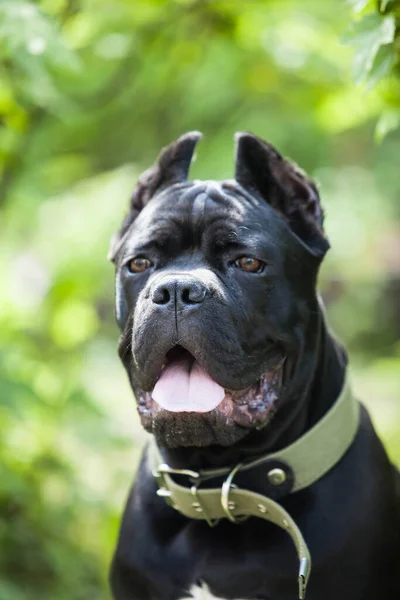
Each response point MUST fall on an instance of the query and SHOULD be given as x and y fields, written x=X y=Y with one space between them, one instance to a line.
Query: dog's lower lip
x=251 y=407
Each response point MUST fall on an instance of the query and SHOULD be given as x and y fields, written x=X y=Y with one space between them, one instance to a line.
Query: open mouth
x=184 y=386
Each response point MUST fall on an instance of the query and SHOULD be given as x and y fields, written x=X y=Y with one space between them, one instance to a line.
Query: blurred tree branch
x=13 y=165
x=89 y=92
x=376 y=37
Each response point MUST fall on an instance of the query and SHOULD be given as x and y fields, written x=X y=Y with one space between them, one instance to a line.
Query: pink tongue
x=185 y=387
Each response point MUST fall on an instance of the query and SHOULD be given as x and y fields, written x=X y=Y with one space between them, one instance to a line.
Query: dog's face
x=215 y=287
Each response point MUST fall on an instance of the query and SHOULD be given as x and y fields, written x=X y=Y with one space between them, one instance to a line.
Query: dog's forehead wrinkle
x=198 y=210
x=219 y=193
x=203 y=208
x=207 y=215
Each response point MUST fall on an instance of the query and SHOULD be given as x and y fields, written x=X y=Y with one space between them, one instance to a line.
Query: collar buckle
x=160 y=474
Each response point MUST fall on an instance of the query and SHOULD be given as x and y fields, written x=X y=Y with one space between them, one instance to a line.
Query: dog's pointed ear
x=171 y=166
x=261 y=169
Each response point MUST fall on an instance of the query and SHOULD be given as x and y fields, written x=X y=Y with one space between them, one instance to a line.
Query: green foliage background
x=89 y=92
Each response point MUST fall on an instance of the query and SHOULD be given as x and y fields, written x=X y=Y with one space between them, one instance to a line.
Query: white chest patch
x=202 y=593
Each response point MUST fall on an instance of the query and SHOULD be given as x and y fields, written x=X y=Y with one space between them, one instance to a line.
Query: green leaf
x=359 y=5
x=389 y=121
x=384 y=4
x=372 y=32
x=25 y=29
x=382 y=64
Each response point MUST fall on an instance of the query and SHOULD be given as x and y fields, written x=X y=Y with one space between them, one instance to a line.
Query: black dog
x=230 y=359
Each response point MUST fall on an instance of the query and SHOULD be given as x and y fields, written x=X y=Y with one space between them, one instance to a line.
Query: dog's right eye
x=250 y=264
x=139 y=264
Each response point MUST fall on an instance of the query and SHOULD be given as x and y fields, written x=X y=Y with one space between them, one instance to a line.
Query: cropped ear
x=172 y=166
x=260 y=168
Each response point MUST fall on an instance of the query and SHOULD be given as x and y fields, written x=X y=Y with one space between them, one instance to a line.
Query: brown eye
x=249 y=264
x=138 y=265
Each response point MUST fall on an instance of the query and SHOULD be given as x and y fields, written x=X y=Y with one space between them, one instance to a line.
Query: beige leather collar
x=306 y=460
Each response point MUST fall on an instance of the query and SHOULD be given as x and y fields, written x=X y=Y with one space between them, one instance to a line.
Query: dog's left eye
x=139 y=264
x=249 y=264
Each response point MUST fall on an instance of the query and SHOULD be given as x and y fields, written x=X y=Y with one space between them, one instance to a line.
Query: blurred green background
x=89 y=92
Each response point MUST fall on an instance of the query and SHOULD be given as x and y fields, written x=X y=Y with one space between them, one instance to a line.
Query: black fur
x=351 y=517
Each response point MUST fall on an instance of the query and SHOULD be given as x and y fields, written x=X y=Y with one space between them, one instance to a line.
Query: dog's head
x=215 y=292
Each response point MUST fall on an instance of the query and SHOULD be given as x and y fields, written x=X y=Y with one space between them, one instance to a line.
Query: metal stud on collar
x=163 y=490
x=276 y=476
x=199 y=507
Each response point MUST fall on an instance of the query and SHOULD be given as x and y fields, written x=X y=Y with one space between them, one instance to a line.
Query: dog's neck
x=305 y=408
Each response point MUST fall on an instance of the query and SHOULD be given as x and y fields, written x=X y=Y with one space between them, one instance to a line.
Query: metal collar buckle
x=163 y=490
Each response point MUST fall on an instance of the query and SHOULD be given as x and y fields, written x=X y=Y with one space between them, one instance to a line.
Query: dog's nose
x=186 y=291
